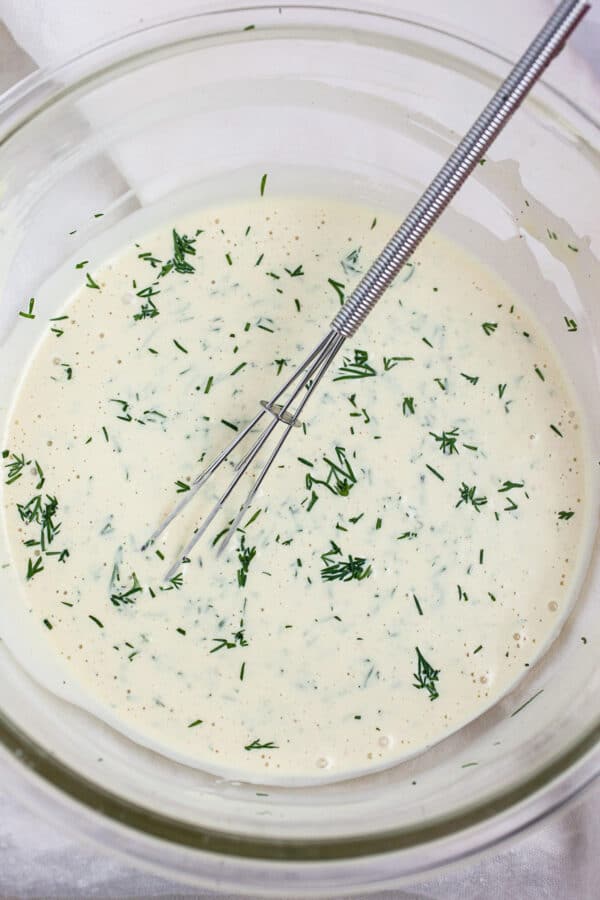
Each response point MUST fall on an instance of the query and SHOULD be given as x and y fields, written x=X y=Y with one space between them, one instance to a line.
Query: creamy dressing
x=412 y=553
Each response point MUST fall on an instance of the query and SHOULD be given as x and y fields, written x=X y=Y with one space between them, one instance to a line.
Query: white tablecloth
x=560 y=859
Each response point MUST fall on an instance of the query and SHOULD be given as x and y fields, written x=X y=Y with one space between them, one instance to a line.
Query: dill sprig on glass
x=30 y=313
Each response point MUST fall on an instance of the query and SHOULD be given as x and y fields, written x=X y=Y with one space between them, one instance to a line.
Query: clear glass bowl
x=345 y=104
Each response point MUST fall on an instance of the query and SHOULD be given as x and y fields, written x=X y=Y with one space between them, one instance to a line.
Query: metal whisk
x=453 y=174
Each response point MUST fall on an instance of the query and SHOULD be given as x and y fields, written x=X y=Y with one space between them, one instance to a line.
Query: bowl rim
x=531 y=800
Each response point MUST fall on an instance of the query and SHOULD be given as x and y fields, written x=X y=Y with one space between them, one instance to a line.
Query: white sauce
x=116 y=411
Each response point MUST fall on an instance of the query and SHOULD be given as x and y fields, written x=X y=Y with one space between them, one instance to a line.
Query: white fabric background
x=559 y=860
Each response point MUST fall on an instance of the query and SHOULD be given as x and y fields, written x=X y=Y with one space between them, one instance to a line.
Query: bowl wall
x=337 y=104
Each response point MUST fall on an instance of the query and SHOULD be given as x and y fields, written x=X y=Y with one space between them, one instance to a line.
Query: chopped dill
x=426 y=677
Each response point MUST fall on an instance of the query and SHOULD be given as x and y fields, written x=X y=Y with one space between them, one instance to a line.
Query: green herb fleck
x=389 y=362
x=571 y=324
x=258 y=745
x=147 y=310
x=295 y=273
x=253 y=518
x=426 y=676
x=238 y=640
x=90 y=283
x=510 y=486
x=340 y=477
x=527 y=702
x=15 y=466
x=353 y=569
x=176 y=582
x=182 y=246
x=356 y=367
x=447 y=440
x=350 y=263
x=34 y=567
x=467 y=495
x=30 y=313
x=339 y=287
x=408 y=406
x=125 y=598
x=245 y=556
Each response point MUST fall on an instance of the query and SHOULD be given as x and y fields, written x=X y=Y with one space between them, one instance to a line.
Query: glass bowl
x=340 y=103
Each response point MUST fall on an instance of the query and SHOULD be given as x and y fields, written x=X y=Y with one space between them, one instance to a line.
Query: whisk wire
x=203 y=477
x=330 y=353
x=380 y=275
x=280 y=416
x=313 y=368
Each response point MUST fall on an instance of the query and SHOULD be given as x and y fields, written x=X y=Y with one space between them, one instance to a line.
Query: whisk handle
x=455 y=171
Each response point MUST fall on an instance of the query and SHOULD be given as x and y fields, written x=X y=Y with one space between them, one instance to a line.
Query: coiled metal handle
x=459 y=166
